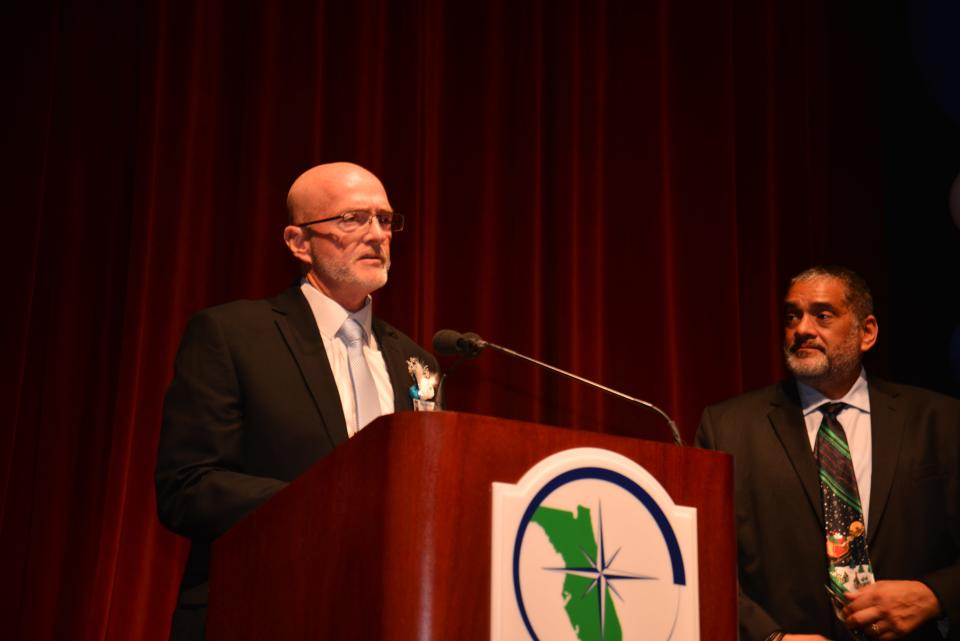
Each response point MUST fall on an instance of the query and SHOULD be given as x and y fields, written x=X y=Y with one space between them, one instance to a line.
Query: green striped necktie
x=848 y=561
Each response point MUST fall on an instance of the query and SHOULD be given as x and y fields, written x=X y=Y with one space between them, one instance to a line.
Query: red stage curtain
x=618 y=188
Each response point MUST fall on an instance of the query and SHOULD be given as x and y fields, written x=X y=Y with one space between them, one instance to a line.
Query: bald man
x=263 y=389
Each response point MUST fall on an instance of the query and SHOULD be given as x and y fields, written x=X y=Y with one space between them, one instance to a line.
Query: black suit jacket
x=913 y=530
x=253 y=404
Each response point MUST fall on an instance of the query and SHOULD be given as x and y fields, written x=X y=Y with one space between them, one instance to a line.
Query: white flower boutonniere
x=424 y=387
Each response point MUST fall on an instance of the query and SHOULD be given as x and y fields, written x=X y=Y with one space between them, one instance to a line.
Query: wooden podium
x=389 y=536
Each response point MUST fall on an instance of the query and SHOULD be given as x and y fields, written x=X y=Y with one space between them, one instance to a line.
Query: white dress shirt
x=330 y=315
x=855 y=419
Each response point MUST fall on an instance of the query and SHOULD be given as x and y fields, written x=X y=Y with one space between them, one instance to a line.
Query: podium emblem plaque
x=588 y=546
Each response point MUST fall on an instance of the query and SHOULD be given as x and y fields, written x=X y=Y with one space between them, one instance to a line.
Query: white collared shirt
x=330 y=316
x=855 y=419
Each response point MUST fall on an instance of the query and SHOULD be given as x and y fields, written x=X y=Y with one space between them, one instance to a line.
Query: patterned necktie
x=848 y=562
x=366 y=401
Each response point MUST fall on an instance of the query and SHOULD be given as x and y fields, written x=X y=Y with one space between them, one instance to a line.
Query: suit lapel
x=886 y=431
x=396 y=362
x=298 y=327
x=787 y=420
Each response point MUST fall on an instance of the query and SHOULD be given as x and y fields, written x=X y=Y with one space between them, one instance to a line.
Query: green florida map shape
x=571 y=536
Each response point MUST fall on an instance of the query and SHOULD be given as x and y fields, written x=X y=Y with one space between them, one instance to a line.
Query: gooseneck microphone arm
x=470 y=345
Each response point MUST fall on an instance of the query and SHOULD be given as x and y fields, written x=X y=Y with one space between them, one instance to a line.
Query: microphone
x=469 y=345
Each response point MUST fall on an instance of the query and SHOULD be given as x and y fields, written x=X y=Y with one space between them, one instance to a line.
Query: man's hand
x=888 y=610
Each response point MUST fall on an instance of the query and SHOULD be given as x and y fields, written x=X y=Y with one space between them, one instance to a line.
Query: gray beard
x=342 y=275
x=823 y=367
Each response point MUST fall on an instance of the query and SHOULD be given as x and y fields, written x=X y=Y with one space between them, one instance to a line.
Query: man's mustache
x=806 y=344
x=375 y=253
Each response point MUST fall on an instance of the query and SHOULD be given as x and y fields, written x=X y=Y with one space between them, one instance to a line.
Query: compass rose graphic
x=602 y=573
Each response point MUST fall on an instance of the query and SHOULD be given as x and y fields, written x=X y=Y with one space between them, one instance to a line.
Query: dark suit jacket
x=913 y=530
x=252 y=405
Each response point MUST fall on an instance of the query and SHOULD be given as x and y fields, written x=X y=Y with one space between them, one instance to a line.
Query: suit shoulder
x=916 y=396
x=228 y=321
x=748 y=401
x=727 y=424
x=236 y=307
x=233 y=311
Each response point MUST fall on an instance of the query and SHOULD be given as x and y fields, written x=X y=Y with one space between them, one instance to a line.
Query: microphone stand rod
x=609 y=390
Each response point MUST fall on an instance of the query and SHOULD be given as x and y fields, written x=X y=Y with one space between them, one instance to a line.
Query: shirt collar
x=330 y=314
x=857 y=396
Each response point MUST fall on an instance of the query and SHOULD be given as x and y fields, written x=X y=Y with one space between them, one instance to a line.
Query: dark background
x=618 y=188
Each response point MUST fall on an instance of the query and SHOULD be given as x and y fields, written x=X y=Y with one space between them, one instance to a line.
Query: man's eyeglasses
x=354 y=220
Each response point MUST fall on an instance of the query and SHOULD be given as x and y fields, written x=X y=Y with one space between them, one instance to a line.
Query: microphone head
x=449 y=343
x=446 y=342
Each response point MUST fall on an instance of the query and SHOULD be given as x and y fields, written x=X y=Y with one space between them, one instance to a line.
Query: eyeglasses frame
x=396 y=220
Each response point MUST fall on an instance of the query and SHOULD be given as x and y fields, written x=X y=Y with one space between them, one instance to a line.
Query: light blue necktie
x=365 y=396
